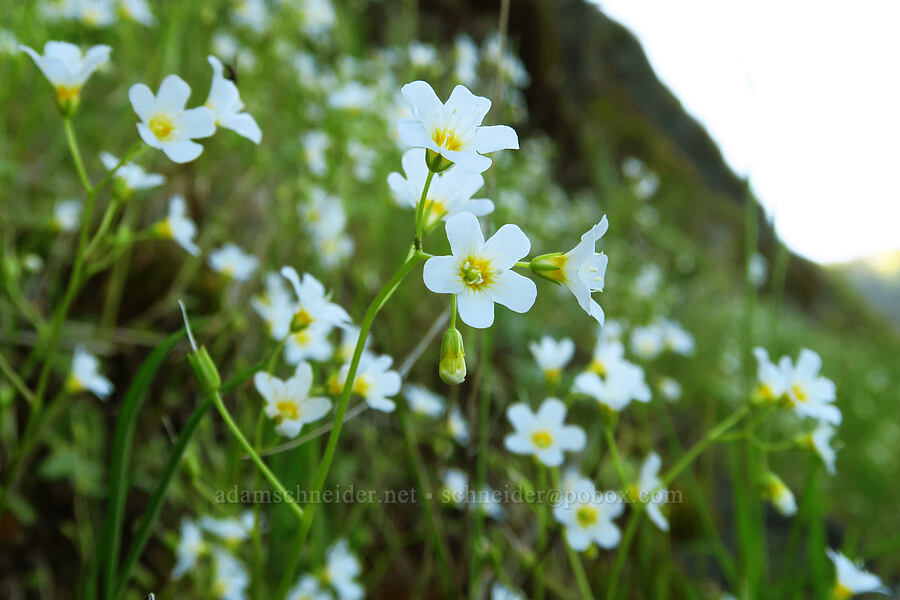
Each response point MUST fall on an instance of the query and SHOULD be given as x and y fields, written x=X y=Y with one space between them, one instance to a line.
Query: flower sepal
x=67 y=100
x=437 y=163
x=205 y=370
x=549 y=266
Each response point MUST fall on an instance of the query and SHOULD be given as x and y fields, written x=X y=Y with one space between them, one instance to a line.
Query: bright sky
x=804 y=95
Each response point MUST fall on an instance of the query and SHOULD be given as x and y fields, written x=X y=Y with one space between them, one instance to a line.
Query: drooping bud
x=774 y=489
x=453 y=358
x=550 y=266
x=436 y=162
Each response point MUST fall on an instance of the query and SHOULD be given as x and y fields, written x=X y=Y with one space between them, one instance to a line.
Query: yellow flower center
x=476 y=272
x=73 y=384
x=434 y=210
x=164 y=229
x=361 y=386
x=586 y=516
x=552 y=374
x=598 y=367
x=162 y=127
x=765 y=392
x=799 y=393
x=542 y=439
x=287 y=410
x=301 y=320
x=67 y=93
x=446 y=138
x=634 y=492
x=841 y=592
x=301 y=337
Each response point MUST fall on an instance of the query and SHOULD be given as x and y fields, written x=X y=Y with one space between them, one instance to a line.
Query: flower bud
x=782 y=497
x=453 y=358
x=436 y=162
x=205 y=370
x=550 y=266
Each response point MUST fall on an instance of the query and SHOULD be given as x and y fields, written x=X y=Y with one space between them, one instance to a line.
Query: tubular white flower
x=588 y=516
x=423 y=401
x=543 y=434
x=852 y=579
x=131 y=175
x=453 y=130
x=480 y=273
x=190 y=547
x=166 y=124
x=233 y=262
x=450 y=192
x=620 y=386
x=85 y=375
x=552 y=356
x=647 y=484
x=225 y=101
x=177 y=226
x=341 y=570
x=289 y=403
x=66 y=68
x=67 y=215
x=810 y=394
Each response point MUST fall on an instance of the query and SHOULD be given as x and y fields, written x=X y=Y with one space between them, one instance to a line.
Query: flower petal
x=243 y=125
x=507 y=246
x=422 y=99
x=495 y=137
x=197 y=122
x=464 y=234
x=514 y=291
x=520 y=416
x=173 y=95
x=142 y=100
x=476 y=309
x=441 y=275
x=181 y=152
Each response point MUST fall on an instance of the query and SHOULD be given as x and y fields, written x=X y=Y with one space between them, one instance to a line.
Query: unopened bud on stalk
x=453 y=358
x=437 y=162
x=204 y=368
x=782 y=497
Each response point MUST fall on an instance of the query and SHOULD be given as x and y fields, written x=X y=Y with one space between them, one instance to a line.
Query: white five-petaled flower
x=288 y=401
x=852 y=578
x=225 y=101
x=132 y=175
x=67 y=215
x=230 y=579
x=190 y=546
x=773 y=379
x=650 y=492
x=341 y=570
x=457 y=426
x=480 y=272
x=308 y=588
x=543 y=434
x=313 y=306
x=453 y=130
x=423 y=401
x=820 y=441
x=233 y=262
x=552 y=356
x=178 y=226
x=275 y=306
x=86 y=375
x=588 y=516
x=617 y=389
x=231 y=530
x=374 y=381
x=648 y=341
x=66 y=68
x=582 y=269
x=450 y=192
x=166 y=124
x=810 y=394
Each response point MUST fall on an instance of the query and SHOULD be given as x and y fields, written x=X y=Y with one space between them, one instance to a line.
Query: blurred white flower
x=512 y=68
x=648 y=280
x=422 y=55
x=647 y=342
x=230 y=579
x=138 y=11
x=132 y=176
x=275 y=306
x=820 y=441
x=453 y=130
x=67 y=215
x=288 y=401
x=552 y=356
x=454 y=486
x=543 y=434
x=251 y=13
x=466 y=69
x=231 y=531
x=588 y=516
x=501 y=592
x=178 y=226
x=190 y=547
x=487 y=501
x=315 y=144
x=233 y=262
x=363 y=158
x=480 y=273
x=375 y=381
x=308 y=588
x=341 y=571
x=810 y=394
x=457 y=426
x=676 y=338
x=309 y=343
x=423 y=401
x=852 y=579
x=166 y=124
x=318 y=17
x=773 y=379
x=757 y=269
x=780 y=494
x=670 y=389
x=85 y=375
x=617 y=389
x=649 y=494
x=352 y=96
x=67 y=69
x=225 y=102
x=450 y=192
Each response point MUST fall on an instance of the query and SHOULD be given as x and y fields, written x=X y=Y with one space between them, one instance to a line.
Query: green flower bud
x=453 y=358
x=437 y=162
x=205 y=370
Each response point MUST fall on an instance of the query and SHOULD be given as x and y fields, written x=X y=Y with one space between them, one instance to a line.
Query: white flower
x=86 y=375
x=757 y=269
x=67 y=70
x=333 y=249
x=423 y=401
x=166 y=124
x=422 y=55
x=648 y=483
x=308 y=588
x=457 y=426
x=137 y=10
x=190 y=546
x=232 y=531
x=132 y=175
x=252 y=13
x=466 y=69
x=225 y=102
x=177 y=226
x=582 y=270
x=455 y=486
x=488 y=501
x=363 y=158
x=349 y=338
x=853 y=578
x=820 y=441
x=288 y=401
x=608 y=356
x=620 y=386
x=313 y=306
x=375 y=381
x=810 y=394
x=450 y=192
x=341 y=570
x=275 y=306
x=315 y=144
x=647 y=342
x=588 y=516
x=453 y=130
x=670 y=389
x=479 y=272
x=773 y=379
x=233 y=262
x=227 y=46
x=318 y=17
x=308 y=343
x=230 y=580
x=647 y=282
x=780 y=494
x=552 y=356
x=67 y=215
x=351 y=96
x=676 y=338
x=501 y=592
x=543 y=434
x=323 y=214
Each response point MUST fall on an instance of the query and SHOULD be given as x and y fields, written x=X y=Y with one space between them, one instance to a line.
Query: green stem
x=420 y=210
x=76 y=155
x=248 y=448
x=484 y=422
x=541 y=547
x=413 y=257
x=614 y=452
x=580 y=577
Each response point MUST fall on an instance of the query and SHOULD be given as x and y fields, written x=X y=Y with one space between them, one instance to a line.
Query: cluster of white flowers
x=338 y=576
x=323 y=217
x=99 y=13
x=230 y=577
